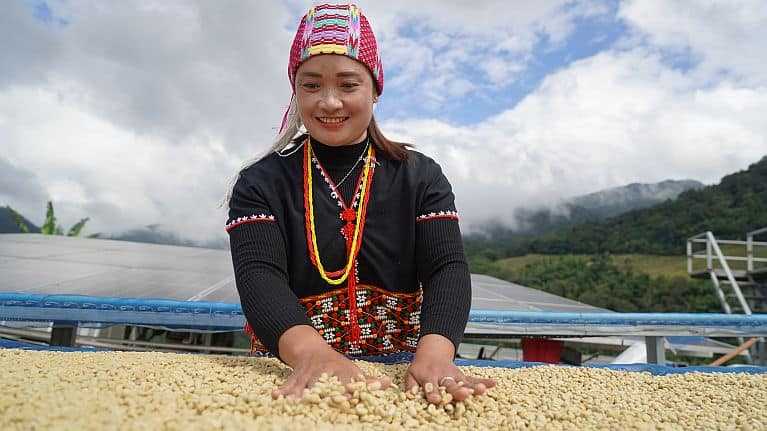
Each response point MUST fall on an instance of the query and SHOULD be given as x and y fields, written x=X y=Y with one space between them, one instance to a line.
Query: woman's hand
x=433 y=367
x=306 y=352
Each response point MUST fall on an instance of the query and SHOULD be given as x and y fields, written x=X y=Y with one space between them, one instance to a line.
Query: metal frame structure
x=750 y=249
x=122 y=278
x=737 y=279
x=87 y=311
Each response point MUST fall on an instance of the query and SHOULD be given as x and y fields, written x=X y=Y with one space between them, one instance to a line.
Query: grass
x=654 y=266
x=668 y=266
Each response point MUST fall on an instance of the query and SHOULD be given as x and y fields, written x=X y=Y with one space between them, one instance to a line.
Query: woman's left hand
x=433 y=367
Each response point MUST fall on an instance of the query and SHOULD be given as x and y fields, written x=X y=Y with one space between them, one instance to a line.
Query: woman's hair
x=293 y=134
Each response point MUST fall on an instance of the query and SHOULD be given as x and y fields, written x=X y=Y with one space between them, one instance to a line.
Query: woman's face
x=335 y=98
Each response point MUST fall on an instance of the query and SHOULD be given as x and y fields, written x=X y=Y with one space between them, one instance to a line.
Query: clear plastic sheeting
x=45 y=264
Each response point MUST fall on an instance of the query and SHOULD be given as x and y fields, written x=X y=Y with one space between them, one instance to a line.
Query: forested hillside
x=736 y=205
x=731 y=208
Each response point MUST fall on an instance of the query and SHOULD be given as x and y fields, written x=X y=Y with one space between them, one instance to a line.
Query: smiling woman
x=335 y=99
x=329 y=269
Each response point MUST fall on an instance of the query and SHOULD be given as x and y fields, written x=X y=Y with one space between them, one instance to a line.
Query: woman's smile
x=332 y=123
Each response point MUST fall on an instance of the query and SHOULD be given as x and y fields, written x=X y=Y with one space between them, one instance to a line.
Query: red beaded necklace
x=353 y=230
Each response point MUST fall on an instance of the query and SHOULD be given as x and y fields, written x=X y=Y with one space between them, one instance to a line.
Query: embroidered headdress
x=336 y=29
x=339 y=29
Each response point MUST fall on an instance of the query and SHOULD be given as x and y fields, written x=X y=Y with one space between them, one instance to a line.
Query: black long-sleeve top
x=411 y=244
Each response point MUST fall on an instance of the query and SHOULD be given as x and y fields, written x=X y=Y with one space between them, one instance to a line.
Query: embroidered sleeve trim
x=255 y=218
x=450 y=215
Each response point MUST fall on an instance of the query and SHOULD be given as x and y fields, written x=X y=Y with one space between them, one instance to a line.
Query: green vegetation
x=50 y=227
x=738 y=204
x=654 y=266
x=619 y=283
x=635 y=261
x=730 y=209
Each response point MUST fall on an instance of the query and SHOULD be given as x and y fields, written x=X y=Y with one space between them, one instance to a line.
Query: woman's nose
x=330 y=101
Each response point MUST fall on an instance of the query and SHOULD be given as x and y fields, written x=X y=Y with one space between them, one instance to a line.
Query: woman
x=344 y=196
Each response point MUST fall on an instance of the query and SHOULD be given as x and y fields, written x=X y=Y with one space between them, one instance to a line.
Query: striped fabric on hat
x=336 y=29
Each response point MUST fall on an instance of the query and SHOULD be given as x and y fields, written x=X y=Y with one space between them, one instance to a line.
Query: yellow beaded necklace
x=309 y=201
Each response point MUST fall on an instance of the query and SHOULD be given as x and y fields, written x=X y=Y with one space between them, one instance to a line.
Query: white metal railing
x=713 y=250
x=750 y=243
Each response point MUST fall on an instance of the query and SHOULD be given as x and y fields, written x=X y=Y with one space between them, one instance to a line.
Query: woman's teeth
x=331 y=120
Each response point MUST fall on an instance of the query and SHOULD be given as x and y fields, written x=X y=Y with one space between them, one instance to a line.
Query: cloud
x=441 y=51
x=28 y=49
x=183 y=71
x=137 y=113
x=724 y=36
x=120 y=179
x=20 y=186
x=609 y=120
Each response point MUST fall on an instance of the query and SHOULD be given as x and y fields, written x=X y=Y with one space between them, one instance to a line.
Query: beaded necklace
x=354 y=241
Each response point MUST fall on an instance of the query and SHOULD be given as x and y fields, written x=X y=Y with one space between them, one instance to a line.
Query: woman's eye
x=349 y=85
x=311 y=86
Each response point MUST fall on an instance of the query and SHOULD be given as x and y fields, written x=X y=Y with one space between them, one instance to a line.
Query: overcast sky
x=135 y=113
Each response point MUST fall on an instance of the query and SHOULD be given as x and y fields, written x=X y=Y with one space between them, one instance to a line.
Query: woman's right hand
x=306 y=352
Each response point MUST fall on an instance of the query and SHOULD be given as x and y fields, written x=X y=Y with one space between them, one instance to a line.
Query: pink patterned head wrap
x=336 y=29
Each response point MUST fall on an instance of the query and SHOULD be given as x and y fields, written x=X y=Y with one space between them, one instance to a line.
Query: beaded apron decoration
x=389 y=322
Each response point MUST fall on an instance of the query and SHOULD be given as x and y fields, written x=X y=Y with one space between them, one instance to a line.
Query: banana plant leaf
x=49 y=227
x=75 y=230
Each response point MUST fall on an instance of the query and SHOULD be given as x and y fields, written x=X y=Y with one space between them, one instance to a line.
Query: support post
x=63 y=334
x=759 y=355
x=656 y=350
x=207 y=340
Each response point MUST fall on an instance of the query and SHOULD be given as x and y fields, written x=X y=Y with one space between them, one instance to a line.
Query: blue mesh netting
x=12 y=344
x=658 y=370
x=220 y=316
x=406 y=357
x=96 y=312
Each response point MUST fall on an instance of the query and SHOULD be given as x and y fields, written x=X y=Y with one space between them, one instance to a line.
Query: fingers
x=371 y=383
x=288 y=390
x=431 y=391
x=285 y=389
x=375 y=383
x=457 y=390
x=457 y=387
x=430 y=388
x=481 y=385
x=294 y=387
x=296 y=390
x=489 y=383
x=410 y=382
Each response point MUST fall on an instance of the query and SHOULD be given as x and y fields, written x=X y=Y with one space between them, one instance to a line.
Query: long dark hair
x=391 y=149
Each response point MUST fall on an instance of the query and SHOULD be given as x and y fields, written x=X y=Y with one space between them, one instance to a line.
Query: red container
x=541 y=350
